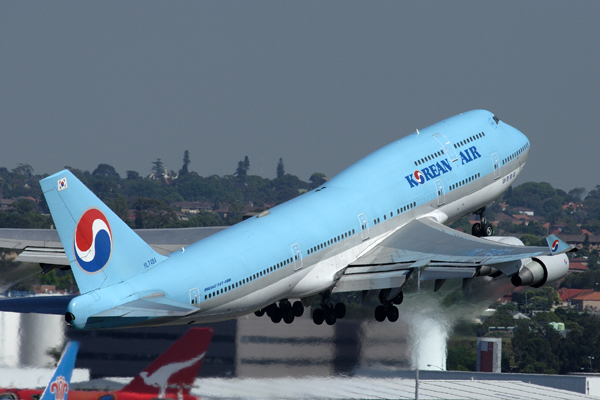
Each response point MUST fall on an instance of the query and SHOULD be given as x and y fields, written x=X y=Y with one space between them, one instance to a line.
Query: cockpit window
x=496 y=119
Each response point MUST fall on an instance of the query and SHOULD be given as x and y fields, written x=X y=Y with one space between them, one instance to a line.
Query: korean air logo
x=555 y=245
x=60 y=388
x=419 y=177
x=93 y=241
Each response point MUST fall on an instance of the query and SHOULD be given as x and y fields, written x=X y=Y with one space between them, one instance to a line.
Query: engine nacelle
x=542 y=270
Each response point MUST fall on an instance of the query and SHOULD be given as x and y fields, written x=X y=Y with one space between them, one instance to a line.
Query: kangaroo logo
x=161 y=376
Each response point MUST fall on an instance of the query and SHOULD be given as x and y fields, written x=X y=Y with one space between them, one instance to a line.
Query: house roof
x=566 y=293
x=594 y=296
x=577 y=266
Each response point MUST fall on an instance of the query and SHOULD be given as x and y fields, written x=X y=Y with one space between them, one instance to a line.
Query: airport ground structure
x=250 y=358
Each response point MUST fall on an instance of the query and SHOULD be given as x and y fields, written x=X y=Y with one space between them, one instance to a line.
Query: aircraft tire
x=488 y=230
x=276 y=315
x=392 y=313
x=284 y=305
x=476 y=229
x=298 y=308
x=383 y=293
x=259 y=313
x=398 y=299
x=330 y=318
x=288 y=316
x=318 y=316
x=340 y=310
x=380 y=313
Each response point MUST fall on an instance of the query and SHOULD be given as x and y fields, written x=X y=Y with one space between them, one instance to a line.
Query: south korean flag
x=62 y=184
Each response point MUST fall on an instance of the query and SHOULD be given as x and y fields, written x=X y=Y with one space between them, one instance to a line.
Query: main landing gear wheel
x=259 y=313
x=298 y=308
x=392 y=313
x=288 y=315
x=330 y=317
x=328 y=311
x=276 y=315
x=380 y=313
x=387 y=308
x=398 y=299
x=318 y=316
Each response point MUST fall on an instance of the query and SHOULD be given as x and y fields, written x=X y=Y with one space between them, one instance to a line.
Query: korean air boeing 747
x=367 y=229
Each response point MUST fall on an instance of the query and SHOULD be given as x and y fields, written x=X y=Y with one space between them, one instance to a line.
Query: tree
x=240 y=170
x=186 y=162
x=24 y=169
x=577 y=193
x=280 y=168
x=317 y=179
x=132 y=175
x=158 y=168
x=531 y=240
x=246 y=165
x=120 y=207
x=107 y=171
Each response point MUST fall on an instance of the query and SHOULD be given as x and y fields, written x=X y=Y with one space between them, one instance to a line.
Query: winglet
x=557 y=246
x=176 y=369
x=58 y=388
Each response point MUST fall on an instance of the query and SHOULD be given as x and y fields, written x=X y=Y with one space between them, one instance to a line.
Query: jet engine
x=542 y=270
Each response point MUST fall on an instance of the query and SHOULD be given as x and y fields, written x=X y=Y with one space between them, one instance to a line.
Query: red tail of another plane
x=176 y=368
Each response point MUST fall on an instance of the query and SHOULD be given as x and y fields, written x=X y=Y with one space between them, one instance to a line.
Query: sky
x=320 y=84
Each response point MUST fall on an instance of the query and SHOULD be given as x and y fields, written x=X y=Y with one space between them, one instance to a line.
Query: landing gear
x=482 y=228
x=328 y=311
x=285 y=310
x=387 y=308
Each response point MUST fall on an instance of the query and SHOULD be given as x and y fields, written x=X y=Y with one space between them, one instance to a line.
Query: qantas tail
x=175 y=369
x=59 y=385
x=100 y=247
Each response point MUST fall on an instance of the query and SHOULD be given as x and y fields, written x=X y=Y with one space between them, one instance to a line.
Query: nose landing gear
x=482 y=228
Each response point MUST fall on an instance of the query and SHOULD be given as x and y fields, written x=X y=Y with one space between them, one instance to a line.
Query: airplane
x=369 y=229
x=170 y=376
x=59 y=385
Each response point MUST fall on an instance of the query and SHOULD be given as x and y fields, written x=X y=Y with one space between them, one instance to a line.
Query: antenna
x=418 y=132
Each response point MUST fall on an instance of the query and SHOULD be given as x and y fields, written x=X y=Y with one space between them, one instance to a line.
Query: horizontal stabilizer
x=56 y=305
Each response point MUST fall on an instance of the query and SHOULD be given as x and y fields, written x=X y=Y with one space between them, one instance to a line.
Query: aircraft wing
x=444 y=252
x=43 y=245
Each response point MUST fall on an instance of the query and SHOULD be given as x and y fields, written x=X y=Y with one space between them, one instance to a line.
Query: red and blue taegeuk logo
x=419 y=177
x=93 y=241
x=555 y=245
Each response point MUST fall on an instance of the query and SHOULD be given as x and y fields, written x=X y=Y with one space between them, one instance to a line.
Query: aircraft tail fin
x=175 y=370
x=102 y=250
x=59 y=385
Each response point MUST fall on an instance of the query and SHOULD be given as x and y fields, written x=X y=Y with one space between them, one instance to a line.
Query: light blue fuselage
x=299 y=248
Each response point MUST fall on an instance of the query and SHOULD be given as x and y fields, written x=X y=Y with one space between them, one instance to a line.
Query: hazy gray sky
x=320 y=84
